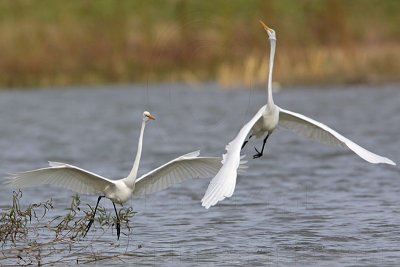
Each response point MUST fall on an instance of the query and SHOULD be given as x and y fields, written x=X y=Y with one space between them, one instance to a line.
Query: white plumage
x=76 y=179
x=178 y=170
x=185 y=167
x=264 y=122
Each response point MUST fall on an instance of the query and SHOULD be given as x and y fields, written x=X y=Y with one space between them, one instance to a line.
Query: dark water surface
x=302 y=204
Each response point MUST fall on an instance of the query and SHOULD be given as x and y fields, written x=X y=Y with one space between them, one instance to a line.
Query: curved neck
x=133 y=174
x=270 y=100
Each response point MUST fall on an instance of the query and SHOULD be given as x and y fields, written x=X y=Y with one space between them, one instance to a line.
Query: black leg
x=259 y=154
x=245 y=142
x=118 y=222
x=92 y=219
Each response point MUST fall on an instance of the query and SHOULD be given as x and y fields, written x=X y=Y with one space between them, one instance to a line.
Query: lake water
x=302 y=204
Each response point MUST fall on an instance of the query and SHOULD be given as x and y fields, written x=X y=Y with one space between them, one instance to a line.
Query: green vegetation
x=28 y=237
x=50 y=43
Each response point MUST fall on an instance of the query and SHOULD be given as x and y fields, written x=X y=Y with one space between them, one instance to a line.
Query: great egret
x=264 y=122
x=81 y=181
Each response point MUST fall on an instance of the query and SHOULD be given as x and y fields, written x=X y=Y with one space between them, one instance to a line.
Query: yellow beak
x=265 y=26
x=151 y=117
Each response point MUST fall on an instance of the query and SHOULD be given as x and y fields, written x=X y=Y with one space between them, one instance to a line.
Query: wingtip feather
x=389 y=161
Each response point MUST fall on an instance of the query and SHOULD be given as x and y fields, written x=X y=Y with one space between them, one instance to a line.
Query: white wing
x=223 y=184
x=320 y=132
x=63 y=175
x=185 y=167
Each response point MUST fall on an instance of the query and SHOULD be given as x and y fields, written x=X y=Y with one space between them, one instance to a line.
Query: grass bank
x=52 y=43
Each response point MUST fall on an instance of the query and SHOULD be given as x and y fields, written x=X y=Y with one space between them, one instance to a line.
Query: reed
x=317 y=65
x=48 y=43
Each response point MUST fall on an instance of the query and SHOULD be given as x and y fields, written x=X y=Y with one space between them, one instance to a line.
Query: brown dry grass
x=45 y=43
x=316 y=65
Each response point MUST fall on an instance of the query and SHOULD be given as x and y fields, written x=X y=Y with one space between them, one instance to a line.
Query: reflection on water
x=302 y=203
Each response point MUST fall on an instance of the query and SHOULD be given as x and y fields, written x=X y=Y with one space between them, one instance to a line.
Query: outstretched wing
x=185 y=167
x=315 y=130
x=63 y=175
x=223 y=184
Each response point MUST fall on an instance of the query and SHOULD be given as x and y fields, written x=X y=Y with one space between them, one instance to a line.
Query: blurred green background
x=46 y=43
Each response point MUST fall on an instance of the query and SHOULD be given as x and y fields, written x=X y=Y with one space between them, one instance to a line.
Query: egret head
x=271 y=32
x=147 y=116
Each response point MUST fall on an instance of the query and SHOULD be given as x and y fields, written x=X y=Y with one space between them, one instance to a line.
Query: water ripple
x=302 y=204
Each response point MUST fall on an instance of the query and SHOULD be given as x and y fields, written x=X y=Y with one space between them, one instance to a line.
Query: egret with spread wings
x=81 y=181
x=263 y=124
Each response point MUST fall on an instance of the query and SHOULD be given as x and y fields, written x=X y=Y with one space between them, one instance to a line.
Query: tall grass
x=48 y=43
x=316 y=65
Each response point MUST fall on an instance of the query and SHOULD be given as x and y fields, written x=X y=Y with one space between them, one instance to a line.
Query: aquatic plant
x=14 y=221
x=29 y=236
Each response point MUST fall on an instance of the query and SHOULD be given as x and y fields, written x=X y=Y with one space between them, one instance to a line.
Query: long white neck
x=130 y=180
x=270 y=100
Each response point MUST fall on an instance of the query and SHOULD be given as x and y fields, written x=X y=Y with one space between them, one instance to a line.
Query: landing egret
x=119 y=191
x=265 y=122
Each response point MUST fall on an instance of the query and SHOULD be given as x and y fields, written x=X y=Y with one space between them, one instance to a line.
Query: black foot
x=118 y=230
x=118 y=226
x=88 y=227
x=92 y=218
x=258 y=155
x=244 y=144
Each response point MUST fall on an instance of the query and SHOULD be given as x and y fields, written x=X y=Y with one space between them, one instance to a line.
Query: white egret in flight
x=119 y=191
x=264 y=123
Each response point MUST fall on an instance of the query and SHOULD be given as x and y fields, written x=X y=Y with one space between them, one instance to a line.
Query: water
x=302 y=204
